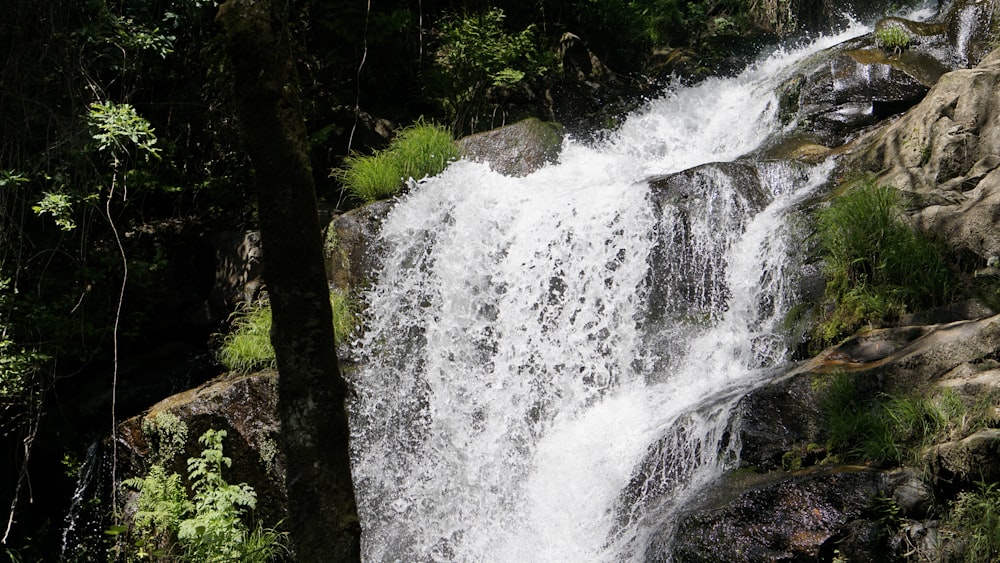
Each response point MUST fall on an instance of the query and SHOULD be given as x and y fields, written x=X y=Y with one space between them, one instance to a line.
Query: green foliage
x=866 y=424
x=473 y=53
x=421 y=150
x=159 y=507
x=371 y=178
x=18 y=364
x=877 y=266
x=117 y=128
x=214 y=531
x=207 y=527
x=167 y=436
x=893 y=38
x=975 y=518
x=59 y=206
x=248 y=348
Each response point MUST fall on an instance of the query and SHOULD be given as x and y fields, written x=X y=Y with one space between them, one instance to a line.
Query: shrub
x=421 y=150
x=877 y=267
x=248 y=347
x=474 y=53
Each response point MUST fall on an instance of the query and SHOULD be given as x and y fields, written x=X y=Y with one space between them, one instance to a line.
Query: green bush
x=473 y=53
x=248 y=348
x=418 y=151
x=877 y=267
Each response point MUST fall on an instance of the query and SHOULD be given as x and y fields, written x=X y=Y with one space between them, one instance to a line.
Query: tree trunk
x=323 y=519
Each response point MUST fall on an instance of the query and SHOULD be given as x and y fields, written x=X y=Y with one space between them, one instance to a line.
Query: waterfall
x=551 y=362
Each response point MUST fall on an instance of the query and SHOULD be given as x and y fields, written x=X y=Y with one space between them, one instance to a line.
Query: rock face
x=945 y=153
x=838 y=93
x=804 y=517
x=515 y=150
x=352 y=257
x=785 y=415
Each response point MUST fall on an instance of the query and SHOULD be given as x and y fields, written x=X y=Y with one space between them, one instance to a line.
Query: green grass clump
x=418 y=151
x=893 y=38
x=877 y=267
x=371 y=178
x=883 y=429
x=975 y=517
x=247 y=347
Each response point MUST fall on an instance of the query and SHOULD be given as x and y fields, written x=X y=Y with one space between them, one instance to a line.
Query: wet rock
x=780 y=417
x=351 y=254
x=515 y=150
x=805 y=517
x=910 y=492
x=687 y=265
x=838 y=93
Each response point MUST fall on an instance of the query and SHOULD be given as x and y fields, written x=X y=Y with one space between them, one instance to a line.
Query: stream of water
x=546 y=374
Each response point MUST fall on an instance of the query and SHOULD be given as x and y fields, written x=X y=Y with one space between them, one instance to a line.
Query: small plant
x=248 y=347
x=893 y=38
x=975 y=517
x=475 y=53
x=423 y=150
x=371 y=178
x=418 y=151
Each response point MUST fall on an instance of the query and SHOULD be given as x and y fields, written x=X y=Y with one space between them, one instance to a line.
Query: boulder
x=515 y=150
x=351 y=252
x=807 y=516
x=973 y=459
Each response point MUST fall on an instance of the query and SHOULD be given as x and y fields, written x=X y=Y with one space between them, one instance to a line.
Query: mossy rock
x=515 y=150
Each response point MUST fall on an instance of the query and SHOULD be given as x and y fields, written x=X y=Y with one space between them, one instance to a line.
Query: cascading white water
x=546 y=373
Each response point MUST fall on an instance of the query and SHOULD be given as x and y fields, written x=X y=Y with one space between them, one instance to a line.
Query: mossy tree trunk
x=323 y=518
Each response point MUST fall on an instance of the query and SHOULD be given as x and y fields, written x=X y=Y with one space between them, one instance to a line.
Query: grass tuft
x=247 y=347
x=975 y=517
x=877 y=267
x=421 y=150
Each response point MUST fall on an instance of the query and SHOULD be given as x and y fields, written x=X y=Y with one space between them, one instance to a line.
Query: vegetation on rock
x=247 y=347
x=893 y=38
x=418 y=151
x=209 y=526
x=877 y=266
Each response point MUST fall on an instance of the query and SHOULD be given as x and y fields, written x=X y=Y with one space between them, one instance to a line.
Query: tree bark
x=323 y=520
